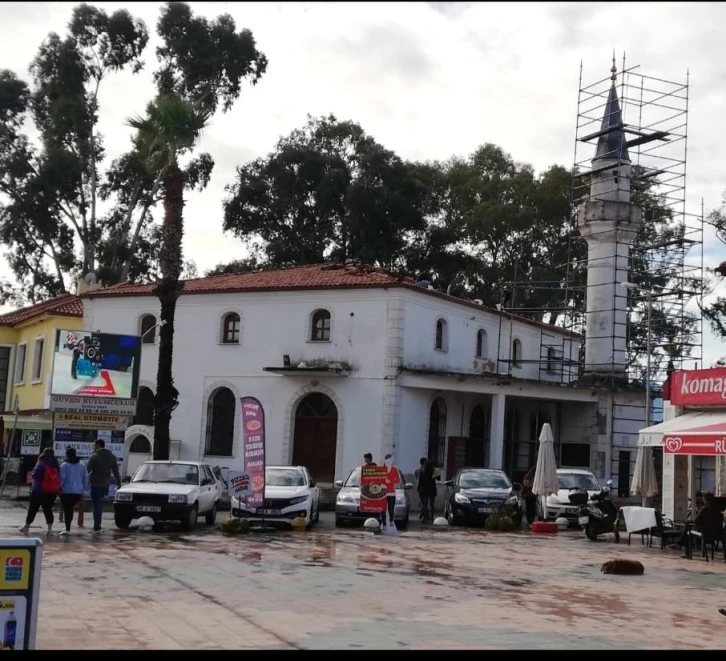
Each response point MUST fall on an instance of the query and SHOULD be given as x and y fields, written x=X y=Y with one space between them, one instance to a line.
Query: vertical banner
x=373 y=488
x=253 y=430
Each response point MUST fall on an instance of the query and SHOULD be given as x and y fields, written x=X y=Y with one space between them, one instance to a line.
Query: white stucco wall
x=462 y=326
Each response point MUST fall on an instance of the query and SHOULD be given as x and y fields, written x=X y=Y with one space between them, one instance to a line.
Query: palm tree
x=171 y=127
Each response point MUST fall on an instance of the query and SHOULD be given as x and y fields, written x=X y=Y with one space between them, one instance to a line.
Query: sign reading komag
x=698 y=387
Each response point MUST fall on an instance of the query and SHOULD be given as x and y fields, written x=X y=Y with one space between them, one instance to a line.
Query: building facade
x=350 y=359
x=27 y=337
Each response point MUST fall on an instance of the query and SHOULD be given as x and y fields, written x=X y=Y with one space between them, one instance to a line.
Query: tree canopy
x=64 y=211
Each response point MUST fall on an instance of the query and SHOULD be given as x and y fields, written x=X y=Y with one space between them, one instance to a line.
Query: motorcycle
x=600 y=516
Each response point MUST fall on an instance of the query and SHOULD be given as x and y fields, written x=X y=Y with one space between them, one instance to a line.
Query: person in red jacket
x=45 y=489
x=392 y=481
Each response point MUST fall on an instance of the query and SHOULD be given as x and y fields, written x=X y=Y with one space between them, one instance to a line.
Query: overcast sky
x=427 y=80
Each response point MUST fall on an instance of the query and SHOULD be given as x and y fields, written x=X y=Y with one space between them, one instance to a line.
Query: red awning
x=696 y=433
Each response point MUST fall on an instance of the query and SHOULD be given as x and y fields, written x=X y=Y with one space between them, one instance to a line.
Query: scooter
x=600 y=516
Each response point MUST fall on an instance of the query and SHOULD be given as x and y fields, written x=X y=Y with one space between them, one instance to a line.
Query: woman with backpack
x=74 y=483
x=45 y=489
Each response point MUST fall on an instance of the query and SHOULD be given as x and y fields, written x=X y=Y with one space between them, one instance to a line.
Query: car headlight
x=400 y=499
x=460 y=498
x=298 y=500
x=177 y=498
x=553 y=500
x=347 y=499
x=512 y=500
x=124 y=497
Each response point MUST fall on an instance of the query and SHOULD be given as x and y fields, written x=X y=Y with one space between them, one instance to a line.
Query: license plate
x=268 y=512
x=583 y=520
x=148 y=508
x=485 y=510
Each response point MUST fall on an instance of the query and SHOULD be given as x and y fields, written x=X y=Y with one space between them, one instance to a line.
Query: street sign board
x=20 y=561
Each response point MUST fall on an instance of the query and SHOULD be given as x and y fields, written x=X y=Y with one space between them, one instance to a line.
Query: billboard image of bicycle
x=96 y=364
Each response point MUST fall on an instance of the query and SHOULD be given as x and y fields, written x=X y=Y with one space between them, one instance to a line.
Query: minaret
x=609 y=224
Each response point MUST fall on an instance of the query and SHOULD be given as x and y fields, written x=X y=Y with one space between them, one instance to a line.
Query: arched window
x=140 y=445
x=442 y=335
x=437 y=431
x=147 y=329
x=144 y=407
x=551 y=360
x=516 y=352
x=221 y=411
x=320 y=326
x=481 y=344
x=230 y=328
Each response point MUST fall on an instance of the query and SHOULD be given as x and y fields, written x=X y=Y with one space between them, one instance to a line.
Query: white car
x=569 y=479
x=290 y=493
x=169 y=491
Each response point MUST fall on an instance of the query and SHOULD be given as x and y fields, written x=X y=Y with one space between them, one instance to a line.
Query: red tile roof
x=301 y=278
x=66 y=305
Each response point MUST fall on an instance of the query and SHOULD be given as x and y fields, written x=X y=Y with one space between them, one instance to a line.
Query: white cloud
x=428 y=80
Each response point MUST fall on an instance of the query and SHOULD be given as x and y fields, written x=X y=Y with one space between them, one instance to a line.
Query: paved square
x=328 y=589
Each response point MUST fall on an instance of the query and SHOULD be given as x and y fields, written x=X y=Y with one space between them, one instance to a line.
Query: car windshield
x=172 y=473
x=484 y=480
x=583 y=481
x=354 y=479
x=284 y=477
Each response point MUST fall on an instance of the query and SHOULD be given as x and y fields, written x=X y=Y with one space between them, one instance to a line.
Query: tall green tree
x=63 y=210
x=50 y=188
x=170 y=128
x=327 y=190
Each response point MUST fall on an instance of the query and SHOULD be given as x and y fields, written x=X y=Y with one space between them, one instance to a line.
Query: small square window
x=37 y=373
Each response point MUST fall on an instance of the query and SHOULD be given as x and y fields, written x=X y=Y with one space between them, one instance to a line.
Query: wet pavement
x=330 y=589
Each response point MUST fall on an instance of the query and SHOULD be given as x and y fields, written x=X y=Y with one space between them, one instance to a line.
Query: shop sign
x=698 y=387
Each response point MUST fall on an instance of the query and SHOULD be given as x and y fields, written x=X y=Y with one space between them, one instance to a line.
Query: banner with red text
x=253 y=430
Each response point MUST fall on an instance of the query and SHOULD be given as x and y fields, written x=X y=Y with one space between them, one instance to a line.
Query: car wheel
x=451 y=517
x=402 y=525
x=122 y=521
x=211 y=516
x=339 y=523
x=317 y=512
x=191 y=520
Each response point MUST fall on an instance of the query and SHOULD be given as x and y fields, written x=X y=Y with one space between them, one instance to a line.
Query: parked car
x=475 y=493
x=347 y=503
x=169 y=491
x=290 y=493
x=569 y=480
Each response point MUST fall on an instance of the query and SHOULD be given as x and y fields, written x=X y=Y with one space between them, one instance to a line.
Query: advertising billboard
x=253 y=436
x=95 y=365
x=19 y=592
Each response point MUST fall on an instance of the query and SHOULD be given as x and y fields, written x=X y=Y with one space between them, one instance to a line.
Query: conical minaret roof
x=612 y=144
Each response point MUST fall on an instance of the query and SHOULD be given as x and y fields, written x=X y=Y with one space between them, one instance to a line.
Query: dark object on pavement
x=623 y=567
x=722 y=611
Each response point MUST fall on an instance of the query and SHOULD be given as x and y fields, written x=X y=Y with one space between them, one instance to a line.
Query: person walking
x=101 y=466
x=427 y=490
x=530 y=500
x=45 y=489
x=423 y=501
x=74 y=483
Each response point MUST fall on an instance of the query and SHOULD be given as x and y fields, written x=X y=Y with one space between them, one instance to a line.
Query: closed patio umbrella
x=645 y=481
x=545 y=474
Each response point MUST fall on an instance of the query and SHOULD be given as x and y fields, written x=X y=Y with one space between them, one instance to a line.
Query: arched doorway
x=144 y=408
x=139 y=452
x=316 y=436
x=478 y=447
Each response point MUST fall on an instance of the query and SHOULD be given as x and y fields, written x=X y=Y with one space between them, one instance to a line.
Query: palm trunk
x=170 y=260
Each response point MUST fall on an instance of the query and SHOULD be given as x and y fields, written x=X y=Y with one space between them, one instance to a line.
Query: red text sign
x=373 y=481
x=699 y=387
x=703 y=444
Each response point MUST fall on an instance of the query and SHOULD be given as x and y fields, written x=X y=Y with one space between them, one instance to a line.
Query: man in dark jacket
x=101 y=466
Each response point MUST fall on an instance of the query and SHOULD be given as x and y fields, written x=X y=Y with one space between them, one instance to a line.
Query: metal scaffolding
x=665 y=262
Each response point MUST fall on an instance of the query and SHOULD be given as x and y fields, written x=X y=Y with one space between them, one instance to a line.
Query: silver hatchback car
x=347 y=503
